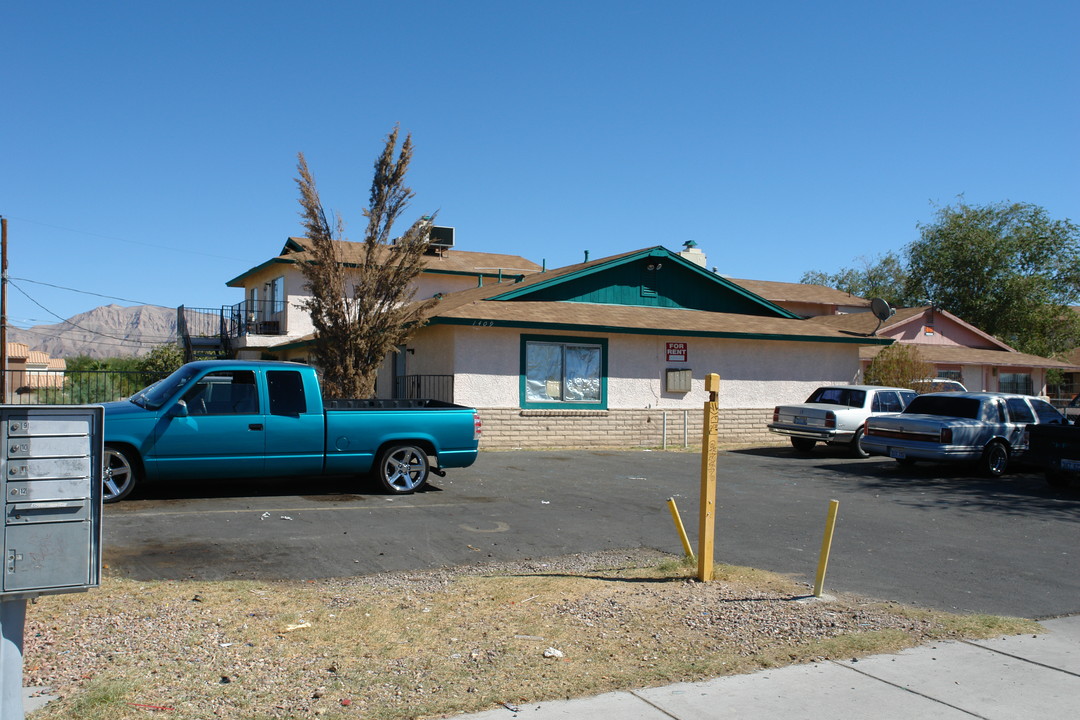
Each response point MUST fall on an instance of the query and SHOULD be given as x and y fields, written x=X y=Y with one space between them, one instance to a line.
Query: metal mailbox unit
x=50 y=478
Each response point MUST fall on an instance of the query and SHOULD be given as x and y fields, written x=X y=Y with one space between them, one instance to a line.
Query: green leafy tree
x=362 y=314
x=1007 y=268
x=883 y=277
x=162 y=359
x=898 y=365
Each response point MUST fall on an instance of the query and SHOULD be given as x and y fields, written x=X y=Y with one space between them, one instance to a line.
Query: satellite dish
x=882 y=311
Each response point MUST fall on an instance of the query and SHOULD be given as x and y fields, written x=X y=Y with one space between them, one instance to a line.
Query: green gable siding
x=671 y=286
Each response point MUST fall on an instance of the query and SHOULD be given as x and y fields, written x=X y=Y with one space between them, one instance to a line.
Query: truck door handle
x=255 y=426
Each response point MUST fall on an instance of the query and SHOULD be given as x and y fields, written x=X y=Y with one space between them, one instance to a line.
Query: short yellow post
x=709 y=432
x=679 y=526
x=826 y=546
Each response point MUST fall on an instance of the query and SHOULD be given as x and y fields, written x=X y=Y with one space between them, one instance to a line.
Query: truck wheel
x=120 y=474
x=402 y=468
x=803 y=444
x=856 y=445
x=995 y=459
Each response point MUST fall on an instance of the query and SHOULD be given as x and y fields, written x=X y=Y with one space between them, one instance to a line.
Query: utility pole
x=3 y=310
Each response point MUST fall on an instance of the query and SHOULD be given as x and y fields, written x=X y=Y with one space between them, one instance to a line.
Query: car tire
x=402 y=469
x=856 y=445
x=995 y=459
x=803 y=444
x=121 y=472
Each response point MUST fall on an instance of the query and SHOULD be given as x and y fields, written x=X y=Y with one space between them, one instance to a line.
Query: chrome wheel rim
x=405 y=469
x=116 y=475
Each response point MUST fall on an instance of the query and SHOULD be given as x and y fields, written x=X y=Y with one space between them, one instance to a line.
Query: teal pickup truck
x=256 y=419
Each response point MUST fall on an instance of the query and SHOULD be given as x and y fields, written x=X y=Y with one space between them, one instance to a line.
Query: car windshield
x=839 y=396
x=154 y=396
x=945 y=406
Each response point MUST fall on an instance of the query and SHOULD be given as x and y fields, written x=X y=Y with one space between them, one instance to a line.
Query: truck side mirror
x=179 y=409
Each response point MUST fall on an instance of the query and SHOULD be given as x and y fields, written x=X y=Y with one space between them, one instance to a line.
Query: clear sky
x=149 y=148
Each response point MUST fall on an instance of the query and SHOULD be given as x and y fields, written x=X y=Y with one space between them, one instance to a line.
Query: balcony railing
x=262 y=317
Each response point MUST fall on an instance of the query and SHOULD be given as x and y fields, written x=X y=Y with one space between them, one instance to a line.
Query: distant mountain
x=106 y=331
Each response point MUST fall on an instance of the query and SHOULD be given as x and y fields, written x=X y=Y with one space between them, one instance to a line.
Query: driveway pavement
x=932 y=536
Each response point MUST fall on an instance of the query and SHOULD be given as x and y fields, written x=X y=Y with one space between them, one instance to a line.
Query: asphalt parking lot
x=931 y=535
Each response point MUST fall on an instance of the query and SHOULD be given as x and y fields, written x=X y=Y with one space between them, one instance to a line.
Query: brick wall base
x=510 y=428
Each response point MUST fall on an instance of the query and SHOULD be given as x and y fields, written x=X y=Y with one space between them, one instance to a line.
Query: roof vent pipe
x=586 y=256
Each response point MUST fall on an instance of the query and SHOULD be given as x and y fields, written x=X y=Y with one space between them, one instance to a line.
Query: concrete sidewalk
x=1020 y=677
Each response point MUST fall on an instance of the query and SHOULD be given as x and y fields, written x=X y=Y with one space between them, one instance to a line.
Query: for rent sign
x=676 y=352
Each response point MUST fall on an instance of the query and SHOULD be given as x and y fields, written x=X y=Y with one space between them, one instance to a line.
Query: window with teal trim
x=570 y=373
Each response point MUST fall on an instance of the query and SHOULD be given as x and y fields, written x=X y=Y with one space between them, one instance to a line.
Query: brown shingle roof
x=865 y=323
x=469 y=305
x=473 y=305
x=352 y=253
x=952 y=354
x=800 y=292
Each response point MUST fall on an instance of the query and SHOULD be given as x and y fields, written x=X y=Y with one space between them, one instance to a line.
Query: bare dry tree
x=362 y=314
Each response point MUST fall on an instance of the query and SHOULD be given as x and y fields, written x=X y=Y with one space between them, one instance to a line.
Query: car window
x=887 y=401
x=944 y=405
x=1019 y=412
x=286 y=389
x=228 y=392
x=839 y=396
x=906 y=396
x=1047 y=413
x=995 y=412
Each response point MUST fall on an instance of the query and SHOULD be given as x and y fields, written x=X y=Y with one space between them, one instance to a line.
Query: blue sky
x=149 y=148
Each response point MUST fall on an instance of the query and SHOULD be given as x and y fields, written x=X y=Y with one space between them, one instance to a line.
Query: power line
x=121 y=343
x=85 y=292
x=75 y=325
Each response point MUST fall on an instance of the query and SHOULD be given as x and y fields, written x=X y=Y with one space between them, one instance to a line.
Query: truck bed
x=384 y=404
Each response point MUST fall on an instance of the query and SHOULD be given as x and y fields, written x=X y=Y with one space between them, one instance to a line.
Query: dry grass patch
x=411 y=645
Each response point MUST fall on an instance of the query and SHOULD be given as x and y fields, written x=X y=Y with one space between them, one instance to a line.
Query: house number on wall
x=483 y=323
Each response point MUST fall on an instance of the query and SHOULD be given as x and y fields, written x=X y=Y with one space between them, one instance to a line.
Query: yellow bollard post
x=707 y=514
x=826 y=546
x=679 y=526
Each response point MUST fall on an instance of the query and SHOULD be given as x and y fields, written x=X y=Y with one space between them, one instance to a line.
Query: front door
x=223 y=433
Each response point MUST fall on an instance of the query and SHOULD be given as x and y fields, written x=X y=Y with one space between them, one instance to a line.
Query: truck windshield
x=154 y=396
x=839 y=396
x=945 y=406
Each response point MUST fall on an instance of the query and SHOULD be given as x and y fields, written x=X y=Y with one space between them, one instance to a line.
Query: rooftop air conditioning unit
x=441 y=237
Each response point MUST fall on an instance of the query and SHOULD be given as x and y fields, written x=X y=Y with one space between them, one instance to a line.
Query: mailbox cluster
x=50 y=475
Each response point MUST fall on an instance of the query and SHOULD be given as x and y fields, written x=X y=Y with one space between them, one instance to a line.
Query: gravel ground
x=418 y=644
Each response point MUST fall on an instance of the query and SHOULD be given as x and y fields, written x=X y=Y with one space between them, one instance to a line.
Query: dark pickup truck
x=1056 y=449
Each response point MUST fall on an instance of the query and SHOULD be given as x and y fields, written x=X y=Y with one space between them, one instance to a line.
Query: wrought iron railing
x=261 y=317
x=432 y=387
x=83 y=387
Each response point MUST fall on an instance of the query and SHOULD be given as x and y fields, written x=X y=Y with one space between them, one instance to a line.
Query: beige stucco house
x=610 y=352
